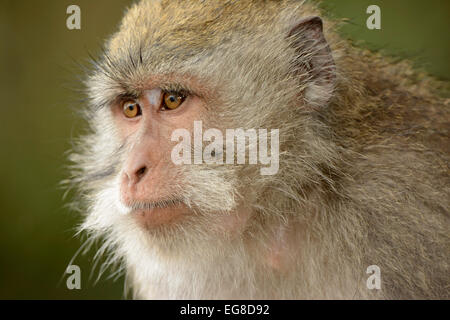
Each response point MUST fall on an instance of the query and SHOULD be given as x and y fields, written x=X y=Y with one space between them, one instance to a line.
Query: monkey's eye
x=131 y=109
x=172 y=100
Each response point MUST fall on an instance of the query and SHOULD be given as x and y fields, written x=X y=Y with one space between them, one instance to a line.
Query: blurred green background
x=38 y=86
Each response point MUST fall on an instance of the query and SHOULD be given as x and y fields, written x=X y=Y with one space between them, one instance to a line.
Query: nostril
x=141 y=172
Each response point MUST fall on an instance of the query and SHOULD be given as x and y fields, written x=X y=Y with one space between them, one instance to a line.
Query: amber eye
x=131 y=109
x=173 y=100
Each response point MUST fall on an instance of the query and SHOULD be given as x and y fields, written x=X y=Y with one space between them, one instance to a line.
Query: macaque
x=363 y=151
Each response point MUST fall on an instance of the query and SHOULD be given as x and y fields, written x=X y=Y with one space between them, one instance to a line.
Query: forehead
x=195 y=25
x=202 y=40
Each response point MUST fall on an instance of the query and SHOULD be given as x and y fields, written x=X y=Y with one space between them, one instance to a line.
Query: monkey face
x=143 y=186
x=147 y=173
x=162 y=73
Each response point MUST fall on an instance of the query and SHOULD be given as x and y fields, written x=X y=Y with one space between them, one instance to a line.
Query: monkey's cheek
x=158 y=217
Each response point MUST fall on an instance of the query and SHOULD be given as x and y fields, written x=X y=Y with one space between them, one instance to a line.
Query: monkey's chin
x=157 y=217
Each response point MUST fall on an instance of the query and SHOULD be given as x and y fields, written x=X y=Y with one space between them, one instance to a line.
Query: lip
x=153 y=214
x=151 y=205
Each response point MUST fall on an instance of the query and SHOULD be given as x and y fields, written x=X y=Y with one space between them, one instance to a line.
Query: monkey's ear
x=313 y=62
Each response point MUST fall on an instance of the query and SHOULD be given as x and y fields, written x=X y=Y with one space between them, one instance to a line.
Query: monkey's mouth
x=151 y=205
x=156 y=213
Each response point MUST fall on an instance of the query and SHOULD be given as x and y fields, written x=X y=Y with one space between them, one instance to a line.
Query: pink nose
x=130 y=184
x=133 y=174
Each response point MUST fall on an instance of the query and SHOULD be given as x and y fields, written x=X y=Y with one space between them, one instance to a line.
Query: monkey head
x=229 y=64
